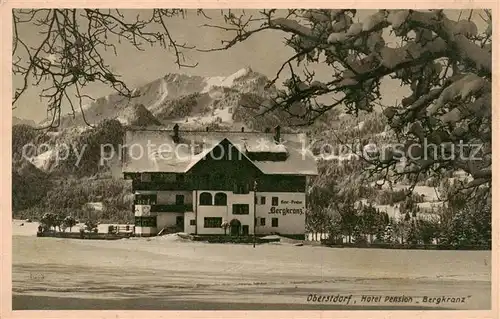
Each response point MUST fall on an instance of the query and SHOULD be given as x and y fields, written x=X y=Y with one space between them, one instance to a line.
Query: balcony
x=160 y=186
x=172 y=208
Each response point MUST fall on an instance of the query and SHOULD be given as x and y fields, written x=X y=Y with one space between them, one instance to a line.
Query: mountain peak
x=138 y=115
x=244 y=71
x=193 y=99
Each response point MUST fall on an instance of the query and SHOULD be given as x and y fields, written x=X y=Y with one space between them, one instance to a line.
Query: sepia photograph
x=251 y=159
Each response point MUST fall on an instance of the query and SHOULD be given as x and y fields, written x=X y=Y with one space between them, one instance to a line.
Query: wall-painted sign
x=286 y=211
x=293 y=201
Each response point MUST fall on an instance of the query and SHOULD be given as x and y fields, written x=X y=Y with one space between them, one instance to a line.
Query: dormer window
x=197 y=149
x=241 y=188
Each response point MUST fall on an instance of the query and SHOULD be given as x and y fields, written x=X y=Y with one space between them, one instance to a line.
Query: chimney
x=242 y=129
x=267 y=130
x=176 y=133
x=277 y=133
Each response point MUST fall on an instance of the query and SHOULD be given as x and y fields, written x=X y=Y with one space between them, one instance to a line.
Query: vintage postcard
x=167 y=159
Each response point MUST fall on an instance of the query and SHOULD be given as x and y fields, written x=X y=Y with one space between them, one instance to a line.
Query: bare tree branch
x=70 y=54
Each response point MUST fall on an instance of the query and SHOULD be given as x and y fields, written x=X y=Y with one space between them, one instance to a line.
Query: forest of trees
x=66 y=188
x=459 y=222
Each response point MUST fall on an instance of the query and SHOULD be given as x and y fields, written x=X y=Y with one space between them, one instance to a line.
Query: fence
x=120 y=229
x=316 y=236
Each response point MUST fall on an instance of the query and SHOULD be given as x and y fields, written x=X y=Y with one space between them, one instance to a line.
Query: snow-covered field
x=171 y=273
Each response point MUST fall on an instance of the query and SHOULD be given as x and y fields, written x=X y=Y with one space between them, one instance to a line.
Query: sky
x=263 y=52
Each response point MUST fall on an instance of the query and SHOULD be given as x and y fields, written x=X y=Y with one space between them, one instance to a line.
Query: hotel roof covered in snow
x=175 y=151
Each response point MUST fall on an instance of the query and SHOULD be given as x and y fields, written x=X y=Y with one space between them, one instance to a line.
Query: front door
x=244 y=230
x=235 y=227
x=179 y=222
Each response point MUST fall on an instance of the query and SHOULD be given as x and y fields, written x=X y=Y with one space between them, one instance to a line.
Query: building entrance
x=235 y=226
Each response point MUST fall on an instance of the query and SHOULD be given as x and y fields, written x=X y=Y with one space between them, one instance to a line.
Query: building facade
x=196 y=182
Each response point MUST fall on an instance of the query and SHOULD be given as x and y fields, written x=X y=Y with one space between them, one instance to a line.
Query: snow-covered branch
x=455 y=33
x=70 y=55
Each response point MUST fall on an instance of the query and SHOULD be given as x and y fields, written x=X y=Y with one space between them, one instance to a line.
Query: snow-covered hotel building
x=194 y=182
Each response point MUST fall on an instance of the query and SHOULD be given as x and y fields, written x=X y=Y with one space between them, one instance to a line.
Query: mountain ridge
x=18 y=121
x=178 y=98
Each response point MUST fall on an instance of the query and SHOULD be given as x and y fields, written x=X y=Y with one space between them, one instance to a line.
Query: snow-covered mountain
x=194 y=102
x=225 y=101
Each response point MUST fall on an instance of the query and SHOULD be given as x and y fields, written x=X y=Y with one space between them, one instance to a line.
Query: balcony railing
x=157 y=186
x=173 y=208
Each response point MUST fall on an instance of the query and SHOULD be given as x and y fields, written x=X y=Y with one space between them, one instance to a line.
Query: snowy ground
x=30 y=229
x=171 y=273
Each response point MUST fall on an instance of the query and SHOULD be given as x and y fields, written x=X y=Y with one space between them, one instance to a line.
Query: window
x=192 y=222
x=149 y=221
x=240 y=188
x=263 y=221
x=205 y=199
x=274 y=222
x=212 y=222
x=263 y=200
x=145 y=177
x=145 y=221
x=179 y=199
x=275 y=201
x=145 y=199
x=220 y=199
x=170 y=208
x=240 y=209
x=179 y=220
x=244 y=230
